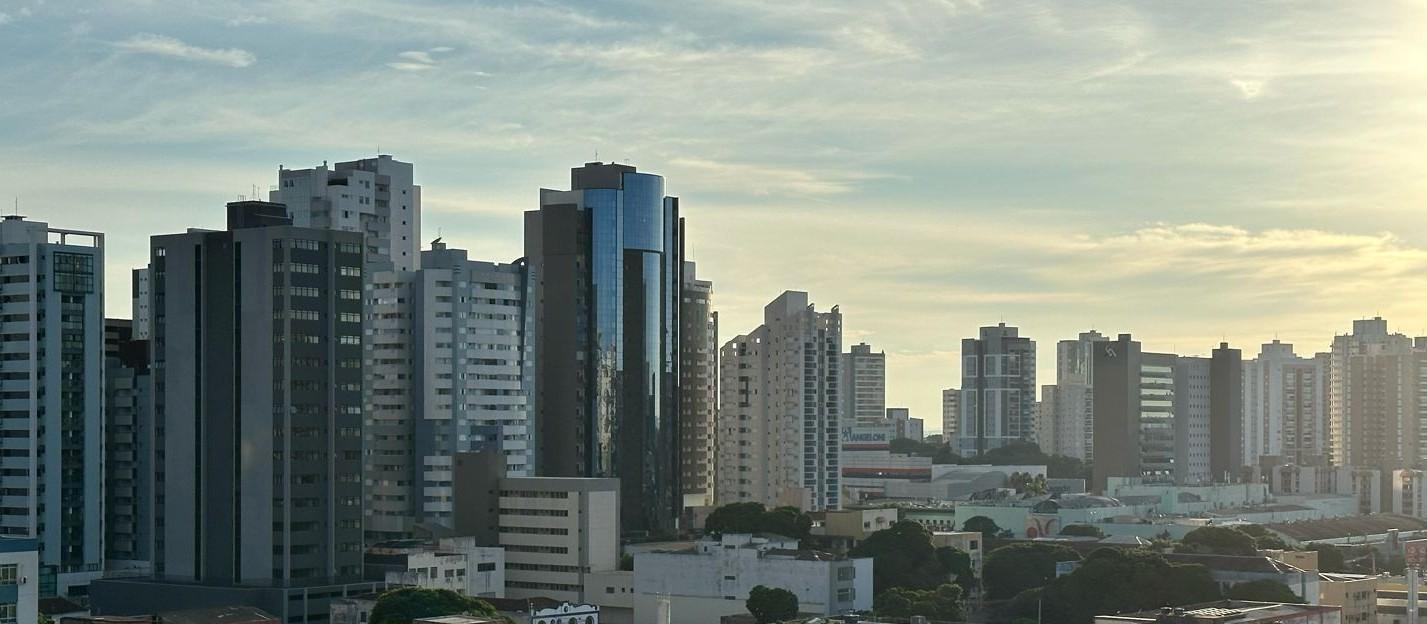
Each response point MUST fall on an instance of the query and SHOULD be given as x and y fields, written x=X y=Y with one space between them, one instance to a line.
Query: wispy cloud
x=246 y=20
x=161 y=45
x=418 y=60
x=5 y=18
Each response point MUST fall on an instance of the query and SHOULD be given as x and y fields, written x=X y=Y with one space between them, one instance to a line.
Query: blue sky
x=1188 y=172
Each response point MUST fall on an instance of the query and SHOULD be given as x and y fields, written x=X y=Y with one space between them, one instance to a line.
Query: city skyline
x=1281 y=202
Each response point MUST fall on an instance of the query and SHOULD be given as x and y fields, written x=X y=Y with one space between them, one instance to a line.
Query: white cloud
x=5 y=18
x=1250 y=89
x=246 y=20
x=160 y=45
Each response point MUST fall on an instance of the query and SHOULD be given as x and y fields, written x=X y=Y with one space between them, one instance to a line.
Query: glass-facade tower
x=605 y=261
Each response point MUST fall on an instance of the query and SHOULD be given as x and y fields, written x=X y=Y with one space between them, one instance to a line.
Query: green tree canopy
x=986 y=526
x=1217 y=541
x=1265 y=590
x=958 y=563
x=1026 y=483
x=1263 y=538
x=1012 y=569
x=1330 y=558
x=401 y=606
x=1113 y=580
x=903 y=556
x=942 y=603
x=755 y=518
x=772 y=604
x=1082 y=530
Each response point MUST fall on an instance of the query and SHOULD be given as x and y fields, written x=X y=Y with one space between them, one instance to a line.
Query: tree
x=772 y=604
x=1026 y=483
x=1082 y=530
x=942 y=603
x=1330 y=558
x=958 y=563
x=626 y=562
x=986 y=526
x=1217 y=541
x=1014 y=568
x=1112 y=580
x=903 y=556
x=1265 y=590
x=401 y=606
x=754 y=518
x=1263 y=538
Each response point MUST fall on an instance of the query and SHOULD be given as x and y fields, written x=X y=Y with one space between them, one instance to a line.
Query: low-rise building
x=1355 y=593
x=1375 y=529
x=454 y=563
x=700 y=585
x=853 y=524
x=1236 y=611
x=969 y=542
x=19 y=580
x=1229 y=570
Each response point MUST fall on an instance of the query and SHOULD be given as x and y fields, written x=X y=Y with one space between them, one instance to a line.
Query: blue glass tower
x=605 y=261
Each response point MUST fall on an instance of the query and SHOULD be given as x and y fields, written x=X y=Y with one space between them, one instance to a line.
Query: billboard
x=1414 y=552
x=867 y=437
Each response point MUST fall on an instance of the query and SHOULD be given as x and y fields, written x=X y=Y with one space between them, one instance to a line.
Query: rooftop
x=1354 y=526
x=1233 y=563
x=1237 y=611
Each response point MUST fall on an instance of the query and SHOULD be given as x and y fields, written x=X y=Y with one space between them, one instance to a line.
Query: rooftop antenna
x=597 y=155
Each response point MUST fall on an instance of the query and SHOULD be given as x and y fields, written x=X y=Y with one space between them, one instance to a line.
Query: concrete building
x=950 y=415
x=605 y=261
x=779 y=409
x=713 y=579
x=864 y=383
x=1285 y=405
x=998 y=390
x=128 y=449
x=445 y=371
x=555 y=531
x=1045 y=420
x=257 y=369
x=52 y=397
x=852 y=525
x=698 y=389
x=1356 y=594
x=1365 y=485
x=1074 y=400
x=454 y=563
x=970 y=542
x=1190 y=416
x=19 y=580
x=904 y=427
x=139 y=308
x=1409 y=492
x=1372 y=416
x=375 y=197
x=1226 y=407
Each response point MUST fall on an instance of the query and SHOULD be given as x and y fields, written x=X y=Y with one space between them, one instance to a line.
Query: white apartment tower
x=1372 y=418
x=779 y=409
x=698 y=392
x=864 y=385
x=950 y=413
x=374 y=196
x=444 y=362
x=1074 y=418
x=1284 y=405
x=52 y=397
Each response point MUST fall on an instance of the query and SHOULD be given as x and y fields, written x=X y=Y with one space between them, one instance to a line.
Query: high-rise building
x=1191 y=415
x=128 y=449
x=1284 y=406
x=1045 y=420
x=52 y=397
x=257 y=369
x=139 y=307
x=1074 y=412
x=1372 y=417
x=1116 y=399
x=998 y=390
x=445 y=375
x=864 y=383
x=1226 y=408
x=950 y=414
x=373 y=196
x=779 y=409
x=698 y=389
x=904 y=427
x=605 y=259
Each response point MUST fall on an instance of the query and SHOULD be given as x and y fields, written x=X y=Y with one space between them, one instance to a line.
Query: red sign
x=1414 y=552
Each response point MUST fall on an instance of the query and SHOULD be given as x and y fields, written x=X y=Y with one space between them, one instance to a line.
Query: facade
x=1364 y=485
x=1074 y=413
x=139 y=308
x=1285 y=405
x=1409 y=492
x=904 y=427
x=1226 y=408
x=1372 y=419
x=998 y=390
x=1192 y=398
x=1355 y=593
x=128 y=449
x=257 y=372
x=52 y=397
x=779 y=421
x=19 y=580
x=454 y=563
x=698 y=389
x=605 y=260
x=555 y=531
x=864 y=384
x=1116 y=399
x=1045 y=420
x=700 y=585
x=950 y=414
x=373 y=196
x=445 y=372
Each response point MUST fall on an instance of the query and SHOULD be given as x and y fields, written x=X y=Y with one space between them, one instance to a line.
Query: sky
x=1187 y=172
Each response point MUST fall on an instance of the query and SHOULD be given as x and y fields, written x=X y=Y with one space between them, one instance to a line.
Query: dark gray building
x=128 y=448
x=1226 y=408
x=998 y=390
x=1116 y=400
x=258 y=386
x=605 y=260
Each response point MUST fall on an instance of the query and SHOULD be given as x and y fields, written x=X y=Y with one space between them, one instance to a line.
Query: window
x=7 y=613
x=9 y=574
x=846 y=594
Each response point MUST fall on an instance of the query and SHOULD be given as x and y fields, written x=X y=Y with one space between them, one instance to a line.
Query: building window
x=9 y=574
